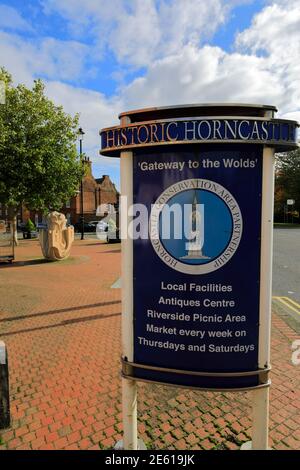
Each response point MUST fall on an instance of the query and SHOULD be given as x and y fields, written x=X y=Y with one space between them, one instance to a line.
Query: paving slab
x=61 y=324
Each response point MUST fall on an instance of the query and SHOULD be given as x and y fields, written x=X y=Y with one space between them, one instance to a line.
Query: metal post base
x=248 y=446
x=4 y=388
x=141 y=445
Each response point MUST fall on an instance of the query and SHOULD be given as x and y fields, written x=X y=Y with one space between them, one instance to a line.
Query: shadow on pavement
x=62 y=323
x=62 y=310
x=31 y=262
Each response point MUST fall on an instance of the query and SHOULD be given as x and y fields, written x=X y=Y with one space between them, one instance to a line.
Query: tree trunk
x=12 y=214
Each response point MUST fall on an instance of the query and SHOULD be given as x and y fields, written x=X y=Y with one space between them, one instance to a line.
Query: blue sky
x=99 y=58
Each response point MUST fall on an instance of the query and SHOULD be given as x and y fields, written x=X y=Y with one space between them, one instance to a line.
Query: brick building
x=95 y=193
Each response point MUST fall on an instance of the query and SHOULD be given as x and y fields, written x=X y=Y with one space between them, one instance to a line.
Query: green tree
x=39 y=164
x=30 y=227
x=287 y=182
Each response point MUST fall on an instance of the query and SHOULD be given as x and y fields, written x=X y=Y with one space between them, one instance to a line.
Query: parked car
x=21 y=227
x=102 y=226
x=94 y=222
x=88 y=227
x=41 y=226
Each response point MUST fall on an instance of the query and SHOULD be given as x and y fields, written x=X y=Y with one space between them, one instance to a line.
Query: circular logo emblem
x=195 y=226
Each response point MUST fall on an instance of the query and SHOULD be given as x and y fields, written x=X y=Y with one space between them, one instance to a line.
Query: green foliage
x=39 y=165
x=30 y=227
x=287 y=182
x=5 y=76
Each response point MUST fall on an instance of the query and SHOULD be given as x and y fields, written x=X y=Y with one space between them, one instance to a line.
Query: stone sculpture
x=57 y=239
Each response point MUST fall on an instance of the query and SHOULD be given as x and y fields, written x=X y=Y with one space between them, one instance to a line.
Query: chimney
x=87 y=166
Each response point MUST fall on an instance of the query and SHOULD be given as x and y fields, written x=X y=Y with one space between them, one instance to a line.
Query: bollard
x=4 y=388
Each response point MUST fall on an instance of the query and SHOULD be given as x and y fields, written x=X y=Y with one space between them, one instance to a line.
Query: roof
x=205 y=109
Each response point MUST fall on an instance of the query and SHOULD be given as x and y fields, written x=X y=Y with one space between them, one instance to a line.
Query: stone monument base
x=195 y=255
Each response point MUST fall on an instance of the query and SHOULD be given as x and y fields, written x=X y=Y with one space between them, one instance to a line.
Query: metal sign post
x=197 y=187
x=260 y=403
x=129 y=388
x=4 y=388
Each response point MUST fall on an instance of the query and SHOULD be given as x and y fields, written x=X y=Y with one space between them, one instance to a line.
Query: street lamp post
x=81 y=134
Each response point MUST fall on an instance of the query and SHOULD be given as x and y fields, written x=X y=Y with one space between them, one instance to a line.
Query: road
x=286 y=263
x=286 y=270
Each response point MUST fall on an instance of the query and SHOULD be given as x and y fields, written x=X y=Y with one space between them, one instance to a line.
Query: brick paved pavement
x=61 y=323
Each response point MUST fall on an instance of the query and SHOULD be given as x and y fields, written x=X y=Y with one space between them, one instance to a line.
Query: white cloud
x=51 y=58
x=275 y=31
x=137 y=34
x=205 y=75
x=265 y=68
x=170 y=41
x=63 y=60
x=190 y=22
x=149 y=32
x=11 y=19
x=139 y=31
x=275 y=34
x=14 y=58
x=57 y=61
x=271 y=27
x=96 y=112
